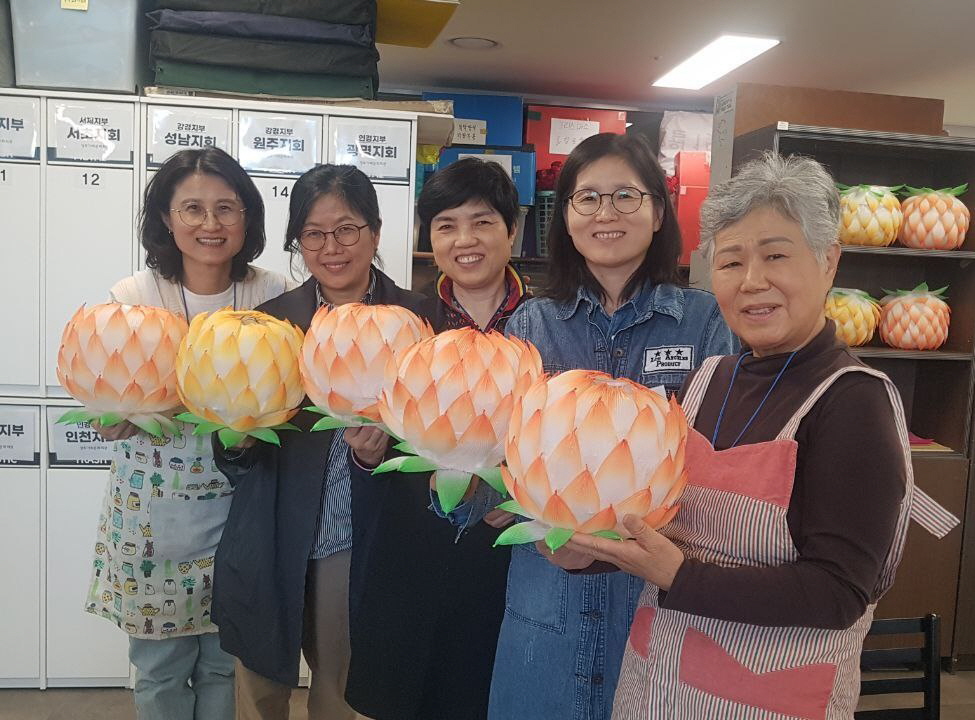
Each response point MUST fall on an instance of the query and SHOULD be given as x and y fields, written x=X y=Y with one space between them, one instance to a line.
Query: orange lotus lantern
x=346 y=354
x=450 y=402
x=119 y=362
x=583 y=450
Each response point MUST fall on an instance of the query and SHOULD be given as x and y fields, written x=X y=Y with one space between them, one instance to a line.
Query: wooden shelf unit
x=936 y=386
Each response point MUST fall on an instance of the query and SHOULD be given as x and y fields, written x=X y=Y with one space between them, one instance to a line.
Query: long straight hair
x=567 y=268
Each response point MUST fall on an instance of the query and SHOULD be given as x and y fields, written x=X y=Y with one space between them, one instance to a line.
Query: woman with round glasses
x=202 y=223
x=284 y=560
x=612 y=303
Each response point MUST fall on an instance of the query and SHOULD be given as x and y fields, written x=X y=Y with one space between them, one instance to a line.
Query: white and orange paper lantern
x=584 y=449
x=450 y=402
x=237 y=374
x=346 y=355
x=119 y=361
x=934 y=219
x=916 y=319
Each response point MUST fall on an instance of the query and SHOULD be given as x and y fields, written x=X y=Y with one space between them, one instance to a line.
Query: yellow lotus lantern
x=346 y=354
x=855 y=313
x=450 y=402
x=237 y=373
x=119 y=361
x=583 y=450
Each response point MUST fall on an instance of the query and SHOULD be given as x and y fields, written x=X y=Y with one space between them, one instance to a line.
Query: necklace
x=717 y=425
x=186 y=309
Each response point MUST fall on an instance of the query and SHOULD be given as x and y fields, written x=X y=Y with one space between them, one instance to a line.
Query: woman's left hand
x=648 y=554
x=368 y=444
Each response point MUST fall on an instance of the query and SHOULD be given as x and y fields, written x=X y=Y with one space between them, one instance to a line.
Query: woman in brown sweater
x=799 y=488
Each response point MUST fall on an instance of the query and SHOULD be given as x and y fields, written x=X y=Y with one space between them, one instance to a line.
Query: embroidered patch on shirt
x=671 y=357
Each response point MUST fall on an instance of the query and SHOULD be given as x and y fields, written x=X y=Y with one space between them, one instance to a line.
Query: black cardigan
x=262 y=559
x=426 y=606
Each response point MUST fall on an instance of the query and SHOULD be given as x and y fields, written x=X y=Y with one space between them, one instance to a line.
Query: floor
x=957 y=702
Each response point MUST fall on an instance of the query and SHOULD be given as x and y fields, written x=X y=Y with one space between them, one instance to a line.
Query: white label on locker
x=20 y=122
x=566 y=134
x=90 y=131
x=380 y=149
x=502 y=160
x=18 y=436
x=470 y=132
x=75 y=443
x=175 y=129
x=274 y=143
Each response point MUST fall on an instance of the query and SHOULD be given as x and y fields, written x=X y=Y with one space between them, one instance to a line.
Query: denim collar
x=664 y=298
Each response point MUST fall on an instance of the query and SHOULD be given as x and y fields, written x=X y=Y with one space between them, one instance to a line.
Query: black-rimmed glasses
x=345 y=235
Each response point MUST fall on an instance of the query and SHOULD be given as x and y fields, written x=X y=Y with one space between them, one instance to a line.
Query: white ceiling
x=610 y=51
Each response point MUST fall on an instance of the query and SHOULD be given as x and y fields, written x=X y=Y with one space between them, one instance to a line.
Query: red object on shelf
x=693 y=168
x=538 y=128
x=689 y=201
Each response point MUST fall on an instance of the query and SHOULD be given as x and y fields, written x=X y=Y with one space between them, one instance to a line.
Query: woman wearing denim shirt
x=612 y=304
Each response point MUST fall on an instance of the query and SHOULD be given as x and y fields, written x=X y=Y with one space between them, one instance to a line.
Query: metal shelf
x=895 y=354
x=909 y=252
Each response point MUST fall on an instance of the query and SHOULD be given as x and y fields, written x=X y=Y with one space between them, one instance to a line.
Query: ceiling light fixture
x=474 y=43
x=714 y=60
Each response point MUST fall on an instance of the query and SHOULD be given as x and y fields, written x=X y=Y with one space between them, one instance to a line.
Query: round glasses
x=345 y=235
x=195 y=215
x=626 y=200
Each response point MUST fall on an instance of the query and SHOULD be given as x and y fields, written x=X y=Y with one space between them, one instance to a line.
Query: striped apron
x=733 y=512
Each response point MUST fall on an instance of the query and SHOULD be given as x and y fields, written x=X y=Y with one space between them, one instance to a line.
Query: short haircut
x=796 y=187
x=346 y=181
x=567 y=269
x=162 y=254
x=465 y=180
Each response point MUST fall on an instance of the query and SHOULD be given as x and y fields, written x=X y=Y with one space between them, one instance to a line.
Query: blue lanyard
x=717 y=425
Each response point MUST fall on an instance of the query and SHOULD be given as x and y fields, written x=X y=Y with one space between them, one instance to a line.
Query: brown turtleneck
x=850 y=479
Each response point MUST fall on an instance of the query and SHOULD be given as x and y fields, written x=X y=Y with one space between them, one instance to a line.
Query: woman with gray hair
x=761 y=590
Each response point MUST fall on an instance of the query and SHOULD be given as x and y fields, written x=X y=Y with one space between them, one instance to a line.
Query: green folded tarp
x=237 y=80
x=351 y=12
x=280 y=55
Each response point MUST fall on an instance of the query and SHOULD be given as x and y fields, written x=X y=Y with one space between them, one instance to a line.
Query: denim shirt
x=563 y=635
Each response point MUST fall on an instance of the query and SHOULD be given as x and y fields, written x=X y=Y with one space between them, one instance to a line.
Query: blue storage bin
x=522 y=167
x=502 y=113
x=101 y=48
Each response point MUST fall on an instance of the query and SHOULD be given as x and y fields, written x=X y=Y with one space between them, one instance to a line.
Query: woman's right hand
x=119 y=431
x=565 y=558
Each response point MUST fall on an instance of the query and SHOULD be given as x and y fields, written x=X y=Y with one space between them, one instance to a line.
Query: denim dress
x=563 y=634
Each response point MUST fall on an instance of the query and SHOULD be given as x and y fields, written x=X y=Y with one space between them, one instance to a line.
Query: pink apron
x=733 y=513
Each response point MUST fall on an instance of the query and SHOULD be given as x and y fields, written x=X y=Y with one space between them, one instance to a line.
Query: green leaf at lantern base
x=190 y=418
x=492 y=476
x=286 y=426
x=512 y=506
x=149 y=425
x=266 y=434
x=609 y=535
x=405 y=447
x=230 y=437
x=108 y=419
x=451 y=487
x=557 y=537
x=406 y=463
x=328 y=423
x=521 y=533
x=74 y=416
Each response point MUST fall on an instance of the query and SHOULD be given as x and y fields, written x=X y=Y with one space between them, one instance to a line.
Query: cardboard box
x=484 y=119
x=519 y=164
x=555 y=131
x=750 y=106
x=689 y=201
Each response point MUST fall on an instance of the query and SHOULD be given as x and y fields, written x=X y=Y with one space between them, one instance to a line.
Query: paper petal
x=557 y=537
x=525 y=532
x=451 y=486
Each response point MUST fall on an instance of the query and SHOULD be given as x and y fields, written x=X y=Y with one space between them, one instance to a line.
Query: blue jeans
x=183 y=678
x=562 y=641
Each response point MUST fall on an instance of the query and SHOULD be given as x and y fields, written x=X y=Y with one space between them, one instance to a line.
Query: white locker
x=81 y=648
x=20 y=568
x=89 y=243
x=20 y=272
x=396 y=237
x=276 y=193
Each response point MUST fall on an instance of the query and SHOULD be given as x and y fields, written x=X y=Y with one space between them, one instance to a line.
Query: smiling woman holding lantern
x=202 y=223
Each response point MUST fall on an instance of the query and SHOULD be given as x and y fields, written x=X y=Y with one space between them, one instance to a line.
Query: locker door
x=82 y=649
x=20 y=272
x=396 y=238
x=276 y=193
x=20 y=567
x=89 y=243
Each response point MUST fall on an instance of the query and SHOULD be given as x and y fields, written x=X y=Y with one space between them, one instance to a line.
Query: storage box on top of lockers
x=80 y=44
x=555 y=131
x=484 y=119
x=519 y=164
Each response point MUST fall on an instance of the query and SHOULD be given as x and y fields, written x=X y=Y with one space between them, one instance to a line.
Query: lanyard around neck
x=717 y=425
